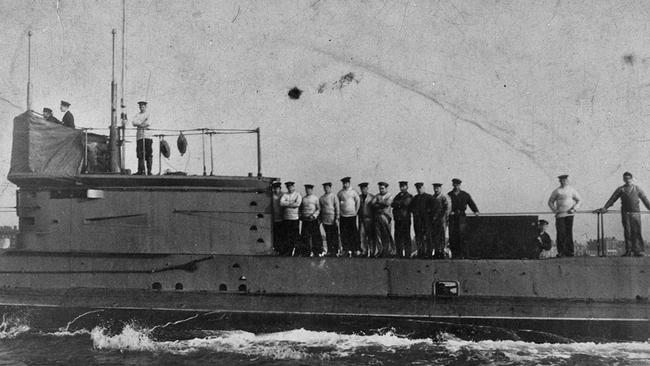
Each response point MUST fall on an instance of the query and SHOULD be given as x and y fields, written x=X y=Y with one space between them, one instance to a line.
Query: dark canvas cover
x=46 y=148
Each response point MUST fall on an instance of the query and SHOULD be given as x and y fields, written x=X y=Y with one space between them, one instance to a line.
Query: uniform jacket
x=401 y=204
x=68 y=119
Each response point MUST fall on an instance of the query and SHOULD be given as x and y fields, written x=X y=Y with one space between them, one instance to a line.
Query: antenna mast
x=113 y=137
x=122 y=141
x=29 y=70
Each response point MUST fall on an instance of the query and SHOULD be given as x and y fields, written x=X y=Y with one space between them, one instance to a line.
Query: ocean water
x=133 y=344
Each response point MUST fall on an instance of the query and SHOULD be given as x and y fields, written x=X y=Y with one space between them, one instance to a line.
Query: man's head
x=47 y=113
x=309 y=189
x=291 y=186
x=627 y=178
x=542 y=225
x=419 y=187
x=364 y=187
x=437 y=187
x=64 y=106
x=346 y=182
x=383 y=187
x=327 y=187
x=564 y=179
x=277 y=187
x=456 y=183
x=403 y=186
x=142 y=105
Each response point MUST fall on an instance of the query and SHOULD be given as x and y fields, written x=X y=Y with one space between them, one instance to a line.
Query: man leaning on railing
x=630 y=194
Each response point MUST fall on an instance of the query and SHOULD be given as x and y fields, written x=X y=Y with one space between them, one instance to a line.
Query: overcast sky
x=505 y=95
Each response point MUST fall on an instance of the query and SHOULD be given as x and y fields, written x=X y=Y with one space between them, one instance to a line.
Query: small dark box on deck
x=501 y=237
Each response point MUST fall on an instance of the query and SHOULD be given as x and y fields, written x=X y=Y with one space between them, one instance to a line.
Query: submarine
x=96 y=241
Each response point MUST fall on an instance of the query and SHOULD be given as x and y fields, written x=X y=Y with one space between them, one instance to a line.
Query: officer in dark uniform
x=47 y=114
x=68 y=118
x=421 y=207
x=402 y=216
x=457 y=219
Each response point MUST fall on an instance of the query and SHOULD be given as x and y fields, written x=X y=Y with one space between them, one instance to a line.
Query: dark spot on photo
x=629 y=59
x=295 y=93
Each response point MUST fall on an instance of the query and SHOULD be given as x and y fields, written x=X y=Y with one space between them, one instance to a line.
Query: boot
x=140 y=167
x=149 y=158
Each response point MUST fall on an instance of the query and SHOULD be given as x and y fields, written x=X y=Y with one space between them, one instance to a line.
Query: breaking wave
x=306 y=344
x=11 y=327
x=293 y=344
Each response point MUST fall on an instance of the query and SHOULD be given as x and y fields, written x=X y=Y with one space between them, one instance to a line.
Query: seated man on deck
x=543 y=239
x=47 y=114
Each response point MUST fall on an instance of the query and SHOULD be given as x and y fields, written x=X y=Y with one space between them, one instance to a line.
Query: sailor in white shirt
x=564 y=202
x=143 y=139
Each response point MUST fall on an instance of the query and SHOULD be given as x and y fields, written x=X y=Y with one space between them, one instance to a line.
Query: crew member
x=349 y=202
x=68 y=118
x=402 y=216
x=329 y=216
x=311 y=241
x=630 y=194
x=366 y=229
x=143 y=139
x=381 y=206
x=457 y=219
x=278 y=229
x=290 y=202
x=564 y=202
x=47 y=115
x=421 y=208
x=440 y=213
x=543 y=239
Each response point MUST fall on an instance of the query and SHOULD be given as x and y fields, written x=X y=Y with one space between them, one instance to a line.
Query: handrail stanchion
x=203 y=146
x=211 y=133
x=160 y=138
x=602 y=234
x=86 y=151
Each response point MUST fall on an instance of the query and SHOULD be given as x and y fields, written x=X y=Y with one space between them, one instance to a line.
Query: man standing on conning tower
x=143 y=137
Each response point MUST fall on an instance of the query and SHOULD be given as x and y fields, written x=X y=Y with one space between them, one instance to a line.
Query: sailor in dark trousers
x=402 y=216
x=143 y=147
x=439 y=216
x=279 y=237
x=311 y=241
x=290 y=203
x=68 y=118
x=457 y=219
x=421 y=207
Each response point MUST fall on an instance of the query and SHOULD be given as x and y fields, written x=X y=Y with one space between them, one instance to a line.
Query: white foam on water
x=293 y=344
x=525 y=351
x=11 y=327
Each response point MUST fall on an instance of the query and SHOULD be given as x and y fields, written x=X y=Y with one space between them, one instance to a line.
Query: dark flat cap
x=419 y=184
x=47 y=110
x=456 y=181
x=383 y=184
x=364 y=184
x=403 y=183
x=276 y=184
x=327 y=184
x=437 y=184
x=289 y=184
x=345 y=179
x=142 y=102
x=563 y=176
x=64 y=103
x=543 y=222
x=309 y=186
x=627 y=174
